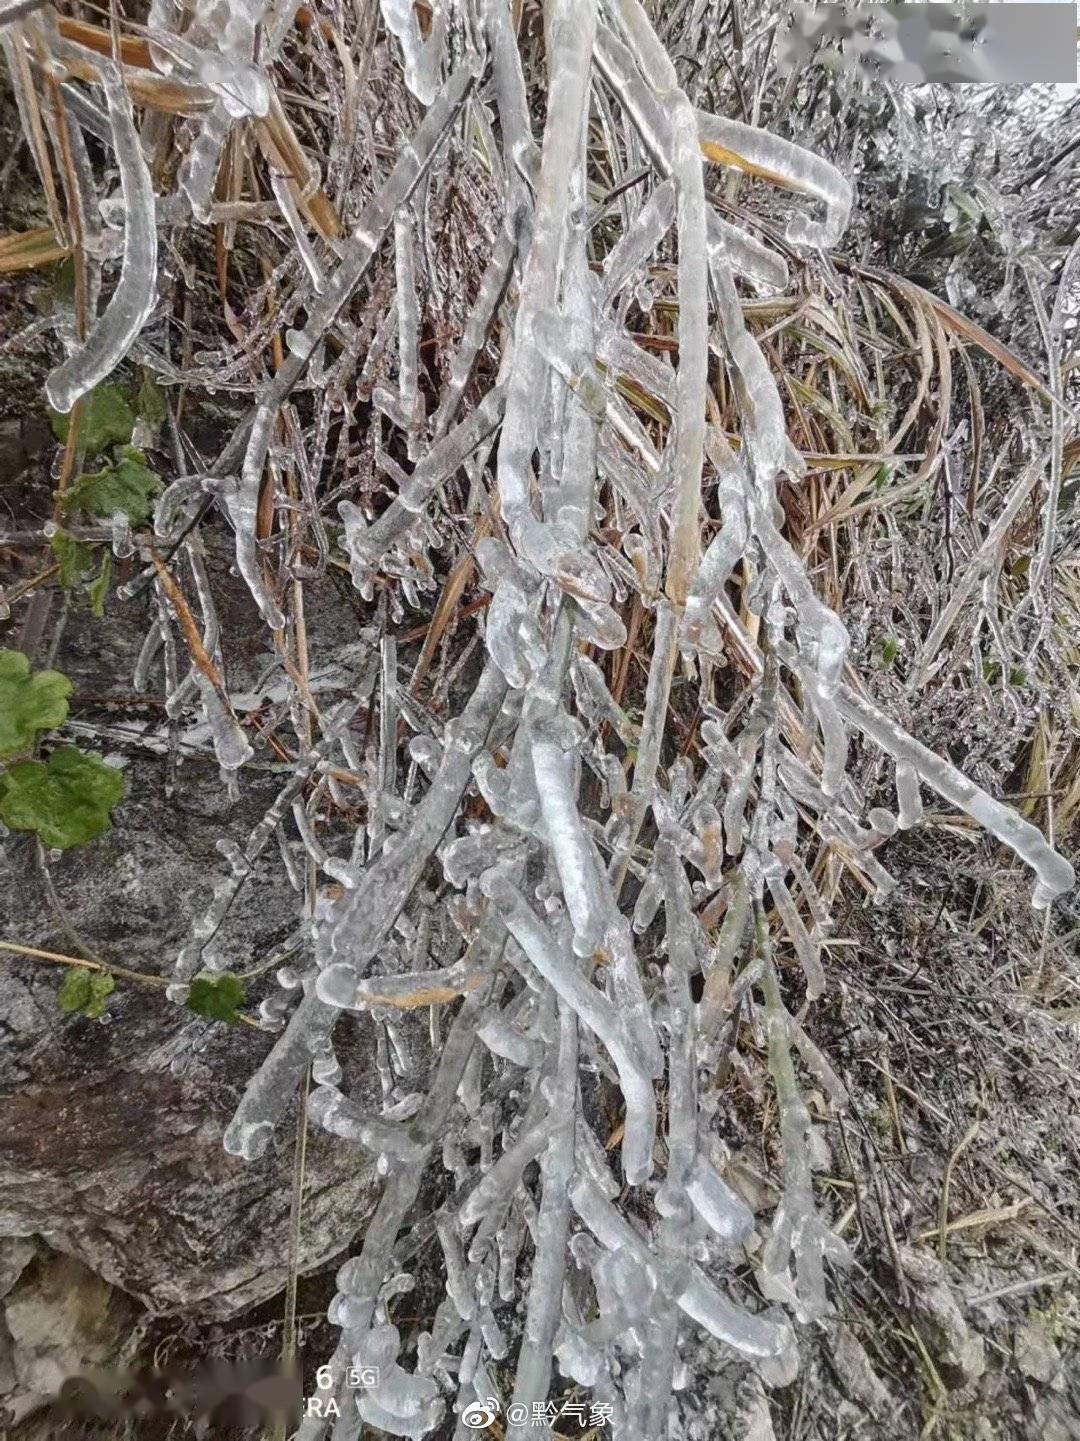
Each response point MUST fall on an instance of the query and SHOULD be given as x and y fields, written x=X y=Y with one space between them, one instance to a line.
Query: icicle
x=231 y=746
x=725 y=1213
x=120 y=534
x=421 y=56
x=805 y=948
x=584 y=884
x=367 y=544
x=762 y=153
x=1053 y=873
x=283 y=195
x=571 y=28
x=199 y=169
x=128 y=310
x=594 y=1009
x=908 y=799
x=340 y=1116
x=408 y=322
x=637 y=243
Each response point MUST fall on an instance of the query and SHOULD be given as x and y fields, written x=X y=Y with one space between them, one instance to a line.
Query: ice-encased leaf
x=106 y=419
x=770 y=157
x=126 y=486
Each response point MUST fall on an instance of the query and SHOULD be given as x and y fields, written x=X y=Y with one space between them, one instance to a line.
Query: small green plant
x=28 y=703
x=127 y=484
x=123 y=484
x=217 y=995
x=67 y=799
x=106 y=419
x=85 y=991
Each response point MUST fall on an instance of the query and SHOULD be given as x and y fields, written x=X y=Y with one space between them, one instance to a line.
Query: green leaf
x=28 y=703
x=86 y=991
x=127 y=484
x=218 y=995
x=150 y=403
x=107 y=419
x=74 y=990
x=98 y=588
x=72 y=555
x=890 y=649
x=66 y=800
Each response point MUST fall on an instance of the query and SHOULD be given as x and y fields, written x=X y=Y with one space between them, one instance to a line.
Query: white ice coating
x=1054 y=876
x=786 y=164
x=421 y=56
x=117 y=328
x=583 y=882
x=600 y=844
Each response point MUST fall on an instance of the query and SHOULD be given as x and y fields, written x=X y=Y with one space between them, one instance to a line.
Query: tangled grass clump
x=529 y=358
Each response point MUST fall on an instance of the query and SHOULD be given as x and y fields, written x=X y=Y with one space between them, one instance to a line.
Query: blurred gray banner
x=960 y=44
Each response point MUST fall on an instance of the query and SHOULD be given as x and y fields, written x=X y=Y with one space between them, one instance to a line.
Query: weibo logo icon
x=480 y=1414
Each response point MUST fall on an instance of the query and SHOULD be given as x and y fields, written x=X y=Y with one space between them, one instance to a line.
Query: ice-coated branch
x=557 y=426
x=241 y=498
x=565 y=975
x=552 y=1227
x=1053 y=873
x=129 y=307
x=570 y=28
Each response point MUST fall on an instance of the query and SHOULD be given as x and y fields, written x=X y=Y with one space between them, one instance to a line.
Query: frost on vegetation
x=518 y=855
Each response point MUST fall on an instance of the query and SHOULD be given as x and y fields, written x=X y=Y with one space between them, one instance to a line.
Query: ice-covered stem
x=367 y=544
x=756 y=390
x=242 y=498
x=565 y=975
x=544 y=1309
x=117 y=328
x=360 y=1279
x=798 y=1232
x=1053 y=873
x=481 y=317
x=759 y=1337
x=692 y=375
x=275 y=1083
x=570 y=26
x=226 y=890
x=653 y=728
x=358 y=928
x=771 y=157
x=357 y=925
x=672 y=1197
x=585 y=889
x=408 y=308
